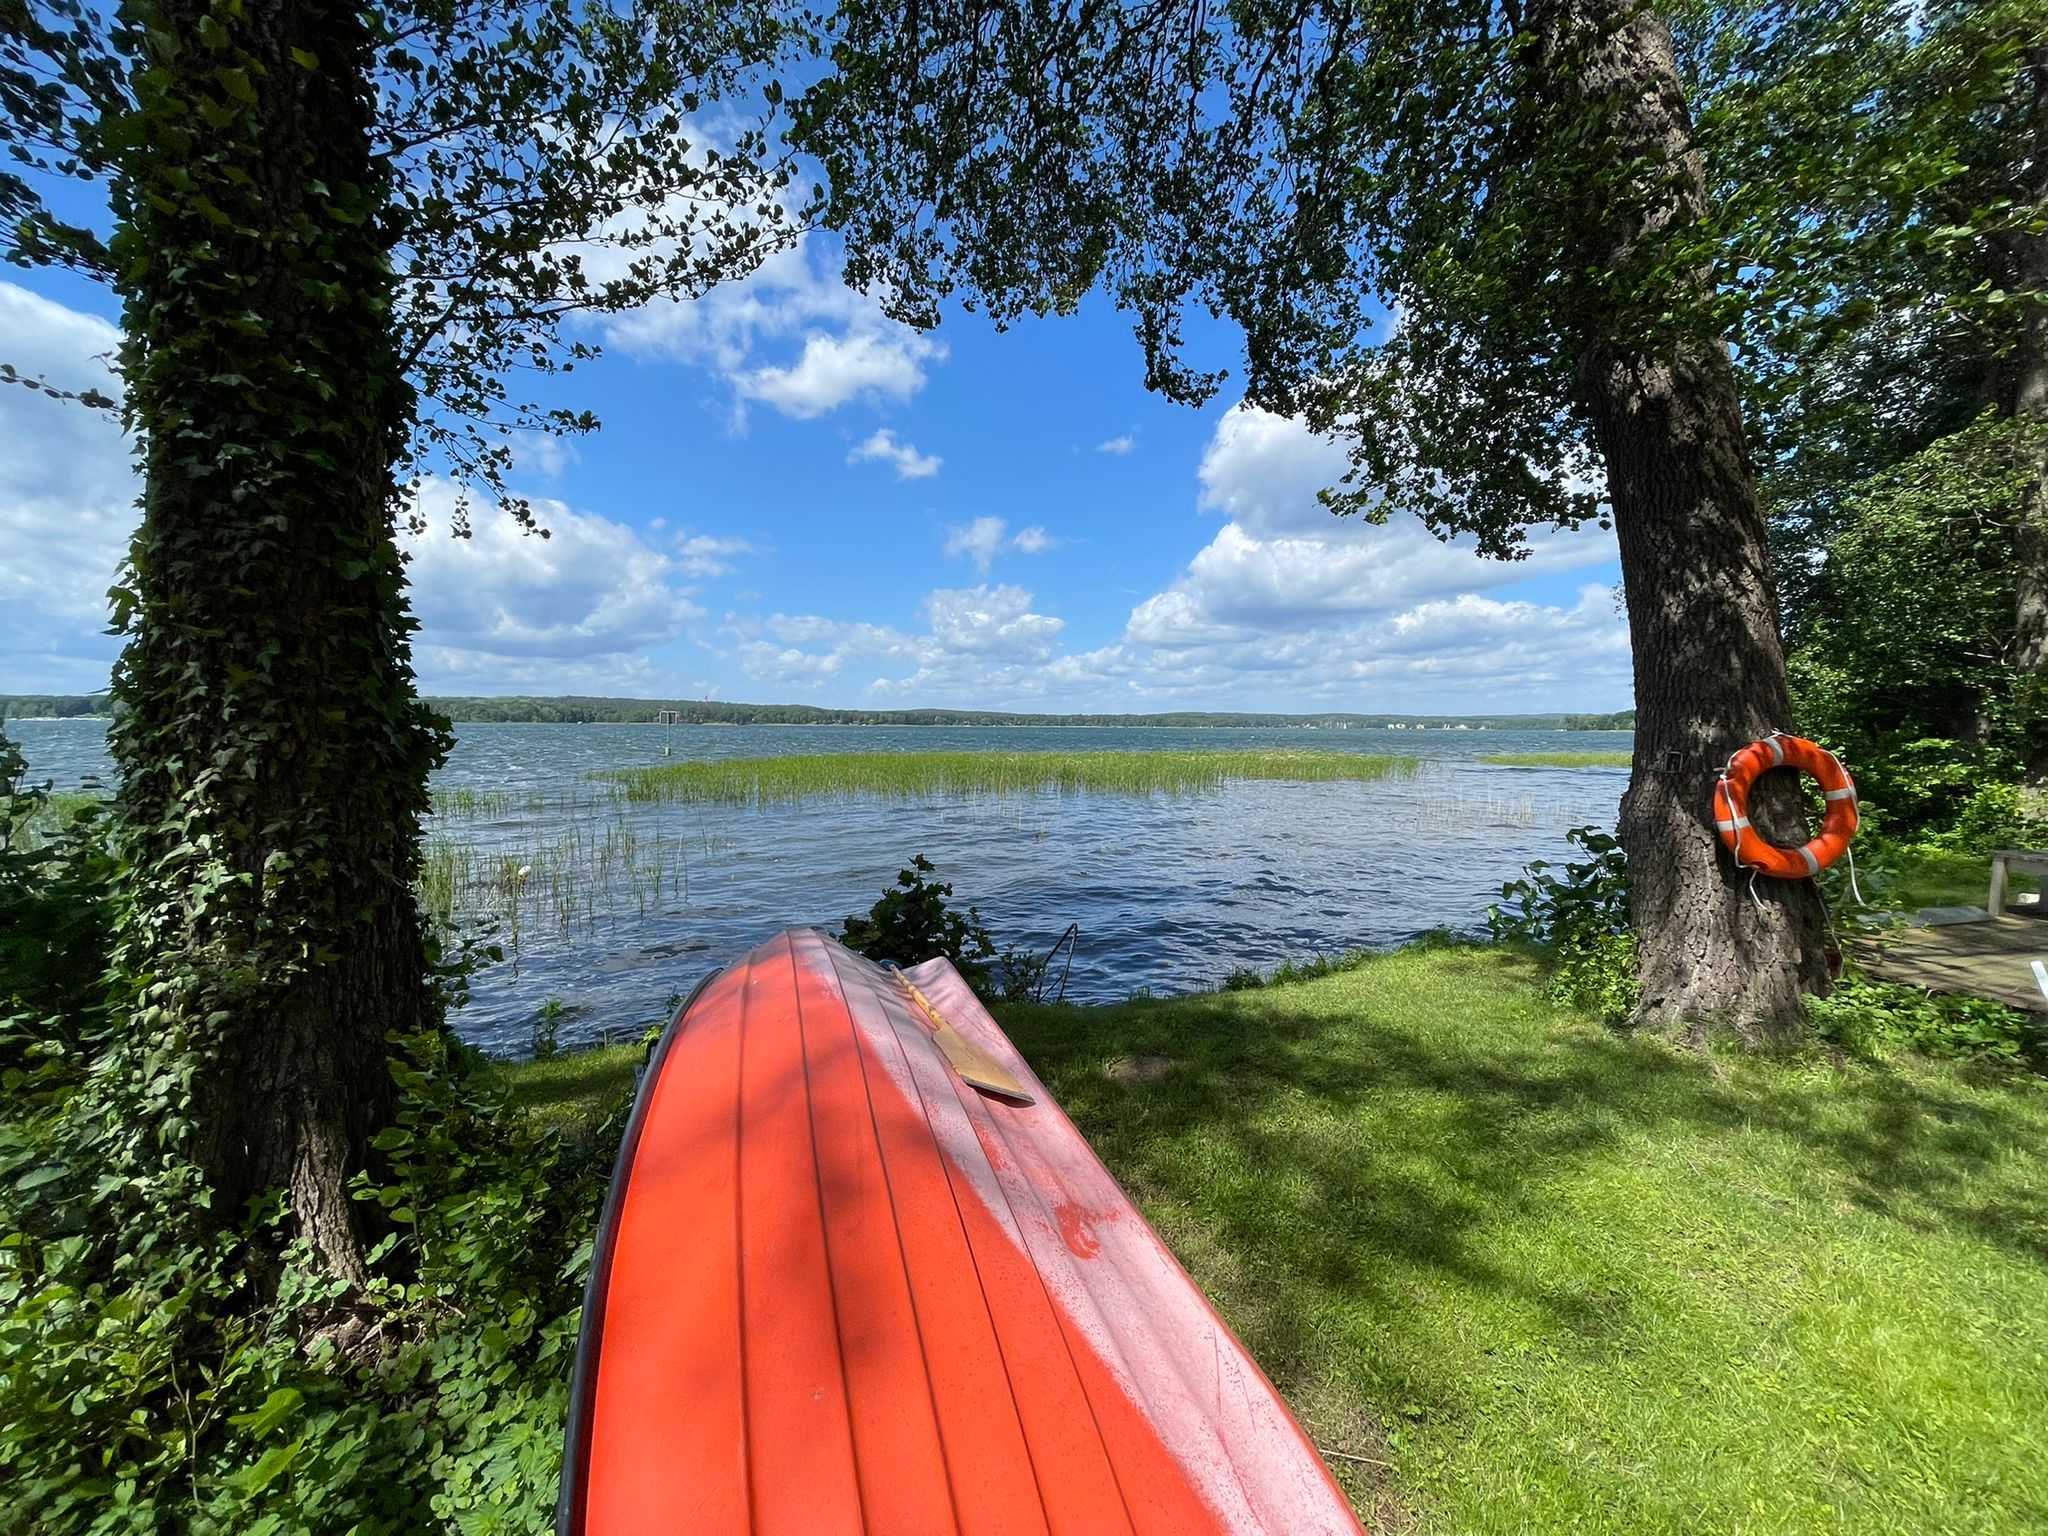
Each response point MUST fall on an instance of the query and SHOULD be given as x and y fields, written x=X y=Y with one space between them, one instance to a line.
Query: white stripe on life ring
x=1812 y=864
x=1848 y=793
x=1777 y=748
x=1739 y=824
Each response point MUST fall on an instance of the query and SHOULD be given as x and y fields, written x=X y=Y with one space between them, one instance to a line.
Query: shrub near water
x=913 y=923
x=1581 y=918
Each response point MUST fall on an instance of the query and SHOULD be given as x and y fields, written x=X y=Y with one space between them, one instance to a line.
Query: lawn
x=1525 y=1274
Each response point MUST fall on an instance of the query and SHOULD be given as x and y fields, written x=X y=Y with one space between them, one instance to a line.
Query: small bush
x=1243 y=979
x=912 y=923
x=1588 y=900
x=1292 y=971
x=1995 y=816
x=1598 y=974
x=547 y=1029
x=1581 y=918
x=1878 y=1018
x=1022 y=973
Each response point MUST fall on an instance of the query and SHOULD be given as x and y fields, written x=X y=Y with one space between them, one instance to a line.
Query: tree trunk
x=2030 y=408
x=273 y=754
x=1715 y=948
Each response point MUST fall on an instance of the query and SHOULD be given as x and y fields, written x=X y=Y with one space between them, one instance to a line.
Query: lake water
x=622 y=905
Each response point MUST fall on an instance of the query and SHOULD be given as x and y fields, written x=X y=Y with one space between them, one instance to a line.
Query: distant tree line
x=581 y=710
x=51 y=706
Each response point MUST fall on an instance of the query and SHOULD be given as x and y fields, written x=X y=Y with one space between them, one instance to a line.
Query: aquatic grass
x=466 y=800
x=932 y=775
x=1558 y=759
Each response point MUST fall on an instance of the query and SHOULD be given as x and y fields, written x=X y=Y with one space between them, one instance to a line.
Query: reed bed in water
x=928 y=775
x=585 y=872
x=1559 y=759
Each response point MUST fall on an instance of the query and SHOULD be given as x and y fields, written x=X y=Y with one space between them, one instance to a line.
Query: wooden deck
x=1990 y=957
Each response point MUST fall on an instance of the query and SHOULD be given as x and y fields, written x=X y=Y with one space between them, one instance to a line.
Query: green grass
x=1559 y=759
x=1901 y=877
x=572 y=1091
x=919 y=775
x=1532 y=1276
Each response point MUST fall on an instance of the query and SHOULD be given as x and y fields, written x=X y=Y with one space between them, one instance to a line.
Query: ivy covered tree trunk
x=273 y=755
x=1714 y=948
x=2030 y=407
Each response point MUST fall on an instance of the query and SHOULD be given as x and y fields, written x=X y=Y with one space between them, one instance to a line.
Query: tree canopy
x=543 y=160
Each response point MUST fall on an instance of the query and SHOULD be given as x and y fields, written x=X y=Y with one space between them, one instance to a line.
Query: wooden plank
x=1993 y=959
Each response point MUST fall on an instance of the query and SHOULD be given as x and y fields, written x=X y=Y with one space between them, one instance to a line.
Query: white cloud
x=704 y=554
x=909 y=463
x=986 y=537
x=502 y=607
x=845 y=347
x=991 y=621
x=1353 y=614
x=1283 y=561
x=835 y=369
x=980 y=541
x=1118 y=445
x=67 y=498
x=983 y=641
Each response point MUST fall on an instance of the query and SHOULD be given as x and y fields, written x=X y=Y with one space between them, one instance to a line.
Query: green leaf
x=273 y=1464
x=277 y=1408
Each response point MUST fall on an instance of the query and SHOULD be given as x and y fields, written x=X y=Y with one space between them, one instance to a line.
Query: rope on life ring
x=1751 y=848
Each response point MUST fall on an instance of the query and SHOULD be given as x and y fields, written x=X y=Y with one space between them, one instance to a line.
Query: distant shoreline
x=582 y=710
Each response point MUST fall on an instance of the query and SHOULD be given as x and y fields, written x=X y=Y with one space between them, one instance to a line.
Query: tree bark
x=273 y=754
x=2030 y=409
x=1715 y=948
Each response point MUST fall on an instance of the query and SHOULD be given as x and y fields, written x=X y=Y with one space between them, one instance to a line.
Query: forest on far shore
x=569 y=709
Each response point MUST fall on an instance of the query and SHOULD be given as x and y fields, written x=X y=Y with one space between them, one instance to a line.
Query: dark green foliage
x=56 y=901
x=913 y=923
x=139 y=1390
x=1906 y=665
x=1581 y=918
x=1877 y=1018
x=1589 y=899
x=1021 y=974
x=1290 y=169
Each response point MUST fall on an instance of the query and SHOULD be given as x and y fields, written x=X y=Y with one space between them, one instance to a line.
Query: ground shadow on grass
x=1320 y=1150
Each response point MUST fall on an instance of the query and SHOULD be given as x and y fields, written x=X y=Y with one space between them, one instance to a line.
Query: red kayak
x=858 y=1273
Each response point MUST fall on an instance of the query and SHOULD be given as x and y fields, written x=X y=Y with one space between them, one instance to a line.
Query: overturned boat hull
x=838 y=1287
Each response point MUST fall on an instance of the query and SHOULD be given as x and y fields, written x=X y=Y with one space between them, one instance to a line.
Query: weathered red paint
x=846 y=1292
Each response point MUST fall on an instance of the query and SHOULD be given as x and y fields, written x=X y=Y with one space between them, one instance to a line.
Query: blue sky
x=795 y=499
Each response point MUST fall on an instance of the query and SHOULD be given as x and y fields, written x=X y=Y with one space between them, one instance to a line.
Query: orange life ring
x=1750 y=847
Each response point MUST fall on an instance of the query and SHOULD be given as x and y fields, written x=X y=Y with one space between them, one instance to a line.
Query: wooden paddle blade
x=977 y=1067
x=974 y=1065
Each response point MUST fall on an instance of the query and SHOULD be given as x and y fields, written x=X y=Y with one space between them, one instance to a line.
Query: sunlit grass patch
x=1558 y=759
x=925 y=775
x=571 y=1091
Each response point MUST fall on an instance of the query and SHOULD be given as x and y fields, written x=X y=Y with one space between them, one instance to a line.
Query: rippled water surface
x=621 y=905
